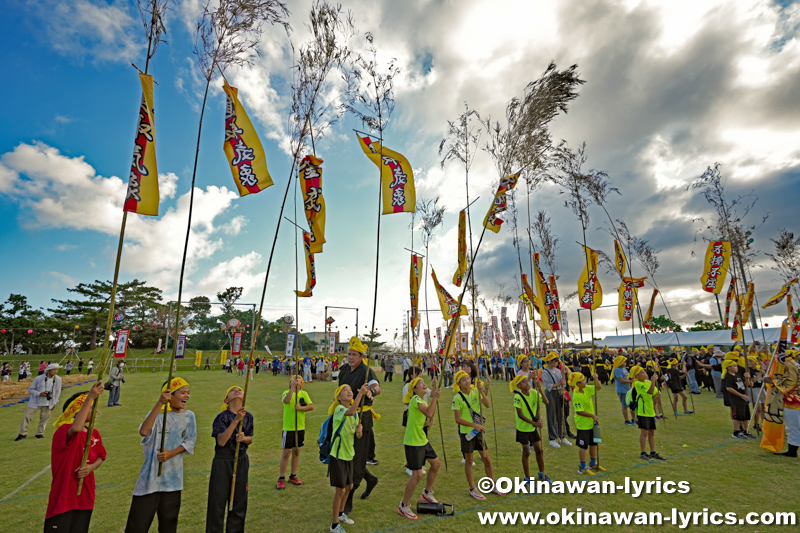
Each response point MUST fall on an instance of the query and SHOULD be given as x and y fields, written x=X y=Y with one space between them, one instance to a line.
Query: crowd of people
x=565 y=382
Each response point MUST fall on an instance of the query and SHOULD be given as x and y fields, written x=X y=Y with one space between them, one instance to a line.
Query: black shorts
x=469 y=446
x=647 y=422
x=341 y=472
x=528 y=437
x=676 y=390
x=287 y=440
x=417 y=455
x=740 y=412
x=585 y=438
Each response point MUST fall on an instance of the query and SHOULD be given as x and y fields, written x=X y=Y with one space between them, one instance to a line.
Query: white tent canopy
x=690 y=338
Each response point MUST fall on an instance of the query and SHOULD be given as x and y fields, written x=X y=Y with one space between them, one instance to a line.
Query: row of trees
x=80 y=321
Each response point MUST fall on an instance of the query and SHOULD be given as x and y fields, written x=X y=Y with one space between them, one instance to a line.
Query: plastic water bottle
x=472 y=434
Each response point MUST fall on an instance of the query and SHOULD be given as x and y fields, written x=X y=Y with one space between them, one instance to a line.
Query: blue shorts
x=622 y=399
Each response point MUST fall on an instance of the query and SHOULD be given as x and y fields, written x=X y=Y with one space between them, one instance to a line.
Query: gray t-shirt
x=551 y=376
x=620 y=372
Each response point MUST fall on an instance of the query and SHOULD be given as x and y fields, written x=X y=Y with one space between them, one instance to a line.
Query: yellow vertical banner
x=397 y=177
x=243 y=148
x=590 y=293
x=619 y=259
x=198 y=357
x=311 y=273
x=462 y=248
x=223 y=356
x=715 y=266
x=499 y=204
x=142 y=195
x=414 y=277
x=313 y=201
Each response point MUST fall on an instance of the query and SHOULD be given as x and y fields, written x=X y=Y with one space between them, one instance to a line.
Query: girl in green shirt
x=529 y=423
x=645 y=391
x=417 y=447
x=585 y=420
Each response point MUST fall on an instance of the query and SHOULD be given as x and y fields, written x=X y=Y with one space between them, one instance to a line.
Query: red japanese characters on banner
x=715 y=266
x=121 y=345
x=236 y=348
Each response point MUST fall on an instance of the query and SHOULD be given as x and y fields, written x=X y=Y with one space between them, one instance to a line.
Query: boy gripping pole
x=529 y=422
x=418 y=448
x=161 y=495
x=585 y=420
x=225 y=431
x=296 y=403
x=642 y=395
x=345 y=422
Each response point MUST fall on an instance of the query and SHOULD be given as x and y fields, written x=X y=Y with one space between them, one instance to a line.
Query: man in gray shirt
x=558 y=408
x=45 y=391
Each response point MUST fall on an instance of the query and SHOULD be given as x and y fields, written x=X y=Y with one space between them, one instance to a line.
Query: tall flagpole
x=112 y=299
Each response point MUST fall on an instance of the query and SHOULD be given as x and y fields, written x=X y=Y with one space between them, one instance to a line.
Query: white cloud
x=64 y=279
x=49 y=187
x=97 y=30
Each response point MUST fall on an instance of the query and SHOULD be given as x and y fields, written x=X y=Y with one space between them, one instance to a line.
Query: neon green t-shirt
x=415 y=435
x=288 y=412
x=533 y=398
x=645 y=405
x=344 y=451
x=582 y=401
x=460 y=405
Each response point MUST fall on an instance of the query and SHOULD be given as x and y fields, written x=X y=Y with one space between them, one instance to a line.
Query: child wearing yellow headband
x=65 y=510
x=418 y=448
x=467 y=411
x=622 y=384
x=676 y=372
x=529 y=422
x=585 y=420
x=734 y=383
x=161 y=495
x=345 y=422
x=296 y=403
x=225 y=431
x=643 y=393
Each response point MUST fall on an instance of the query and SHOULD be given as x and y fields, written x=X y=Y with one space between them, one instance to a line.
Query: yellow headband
x=172 y=386
x=550 y=356
x=516 y=381
x=651 y=363
x=737 y=348
x=300 y=378
x=672 y=363
x=460 y=374
x=224 y=403
x=355 y=344
x=575 y=378
x=634 y=373
x=410 y=393
x=335 y=403
x=521 y=359
x=619 y=361
x=725 y=365
x=69 y=414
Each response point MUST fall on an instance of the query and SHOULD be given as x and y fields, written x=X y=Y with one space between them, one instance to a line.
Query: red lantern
x=766 y=325
x=2 y=331
x=154 y=324
x=30 y=331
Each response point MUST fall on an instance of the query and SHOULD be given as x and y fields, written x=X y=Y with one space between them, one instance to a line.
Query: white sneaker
x=554 y=444
x=346 y=519
x=463 y=461
x=565 y=441
x=410 y=473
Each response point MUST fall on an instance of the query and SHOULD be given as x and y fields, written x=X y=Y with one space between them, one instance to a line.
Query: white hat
x=52 y=366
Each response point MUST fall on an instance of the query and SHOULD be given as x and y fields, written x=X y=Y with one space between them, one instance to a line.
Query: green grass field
x=725 y=474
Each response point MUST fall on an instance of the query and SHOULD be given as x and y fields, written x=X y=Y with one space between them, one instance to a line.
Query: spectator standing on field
x=68 y=367
x=389 y=368
x=45 y=391
x=116 y=379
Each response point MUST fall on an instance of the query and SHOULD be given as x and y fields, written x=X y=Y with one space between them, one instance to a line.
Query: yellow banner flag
x=311 y=274
x=789 y=306
x=142 y=195
x=397 y=177
x=462 y=248
x=242 y=147
x=313 y=202
x=529 y=294
x=499 y=204
x=628 y=296
x=416 y=268
x=223 y=356
x=590 y=293
x=542 y=289
x=198 y=356
x=781 y=294
x=737 y=332
x=648 y=318
x=747 y=305
x=528 y=303
x=447 y=303
x=729 y=299
x=619 y=259
x=715 y=266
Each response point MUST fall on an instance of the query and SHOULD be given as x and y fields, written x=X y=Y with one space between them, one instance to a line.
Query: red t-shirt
x=240 y=365
x=65 y=457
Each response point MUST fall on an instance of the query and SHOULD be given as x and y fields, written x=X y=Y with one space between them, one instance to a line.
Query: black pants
x=76 y=521
x=219 y=492
x=166 y=505
x=361 y=448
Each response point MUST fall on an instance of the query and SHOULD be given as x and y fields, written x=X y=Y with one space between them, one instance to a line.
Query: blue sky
x=670 y=89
